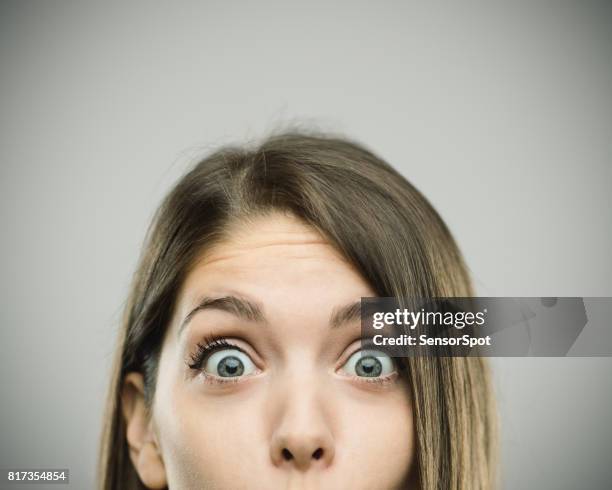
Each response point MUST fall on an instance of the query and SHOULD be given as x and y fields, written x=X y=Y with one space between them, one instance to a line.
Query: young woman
x=240 y=364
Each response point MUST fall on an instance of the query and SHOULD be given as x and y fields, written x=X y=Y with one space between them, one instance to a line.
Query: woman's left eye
x=369 y=364
x=229 y=363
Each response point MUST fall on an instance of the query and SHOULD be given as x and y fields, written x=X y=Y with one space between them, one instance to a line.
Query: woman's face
x=260 y=382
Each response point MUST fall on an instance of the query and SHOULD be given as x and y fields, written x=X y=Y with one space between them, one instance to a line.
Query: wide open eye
x=229 y=363
x=367 y=363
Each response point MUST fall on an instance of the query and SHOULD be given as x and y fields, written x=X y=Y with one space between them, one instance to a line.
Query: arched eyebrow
x=345 y=314
x=240 y=307
x=253 y=312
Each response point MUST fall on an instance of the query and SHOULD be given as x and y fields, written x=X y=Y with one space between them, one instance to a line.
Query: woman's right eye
x=228 y=363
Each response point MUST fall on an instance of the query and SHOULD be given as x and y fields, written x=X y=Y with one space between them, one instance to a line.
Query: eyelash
x=210 y=345
x=205 y=349
x=382 y=380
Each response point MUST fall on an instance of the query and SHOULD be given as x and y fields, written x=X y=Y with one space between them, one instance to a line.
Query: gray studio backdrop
x=501 y=113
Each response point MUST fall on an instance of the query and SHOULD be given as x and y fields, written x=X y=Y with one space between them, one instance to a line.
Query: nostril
x=287 y=456
x=318 y=454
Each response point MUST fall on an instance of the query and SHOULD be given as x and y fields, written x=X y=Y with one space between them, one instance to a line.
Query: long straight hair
x=378 y=221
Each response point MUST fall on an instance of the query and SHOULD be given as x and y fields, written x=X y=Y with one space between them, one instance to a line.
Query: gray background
x=500 y=113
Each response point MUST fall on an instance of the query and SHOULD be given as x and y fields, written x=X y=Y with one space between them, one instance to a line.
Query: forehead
x=275 y=258
x=270 y=235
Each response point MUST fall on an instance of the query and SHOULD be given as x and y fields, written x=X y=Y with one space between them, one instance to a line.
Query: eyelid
x=377 y=382
x=365 y=344
x=230 y=342
x=355 y=346
x=223 y=353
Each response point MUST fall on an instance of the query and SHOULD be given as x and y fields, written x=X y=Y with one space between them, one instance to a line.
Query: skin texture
x=300 y=417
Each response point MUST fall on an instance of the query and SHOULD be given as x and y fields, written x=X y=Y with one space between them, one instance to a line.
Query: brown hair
x=378 y=221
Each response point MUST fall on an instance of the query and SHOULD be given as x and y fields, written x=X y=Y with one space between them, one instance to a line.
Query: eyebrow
x=345 y=314
x=250 y=311
x=240 y=307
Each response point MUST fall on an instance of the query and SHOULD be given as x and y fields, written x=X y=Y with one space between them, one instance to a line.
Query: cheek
x=380 y=437
x=205 y=439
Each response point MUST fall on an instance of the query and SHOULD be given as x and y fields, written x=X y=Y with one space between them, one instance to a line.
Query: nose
x=302 y=438
x=302 y=450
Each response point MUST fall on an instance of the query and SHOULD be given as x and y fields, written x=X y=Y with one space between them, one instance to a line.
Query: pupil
x=230 y=366
x=368 y=366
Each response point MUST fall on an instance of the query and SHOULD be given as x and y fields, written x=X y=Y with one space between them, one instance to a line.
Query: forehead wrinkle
x=221 y=252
